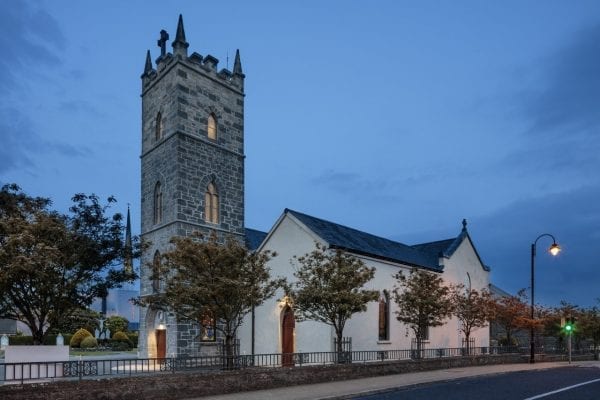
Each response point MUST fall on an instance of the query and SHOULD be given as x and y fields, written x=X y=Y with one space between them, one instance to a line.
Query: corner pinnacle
x=148 y=66
x=237 y=64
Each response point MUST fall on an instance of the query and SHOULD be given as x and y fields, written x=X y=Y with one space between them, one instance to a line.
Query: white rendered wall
x=290 y=238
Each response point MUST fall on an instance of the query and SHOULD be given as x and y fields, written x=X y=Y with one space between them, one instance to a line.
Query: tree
x=79 y=318
x=115 y=324
x=52 y=264
x=472 y=308
x=222 y=281
x=589 y=325
x=423 y=301
x=329 y=288
x=511 y=313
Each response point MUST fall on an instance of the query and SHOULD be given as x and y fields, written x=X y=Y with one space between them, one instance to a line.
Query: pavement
x=367 y=386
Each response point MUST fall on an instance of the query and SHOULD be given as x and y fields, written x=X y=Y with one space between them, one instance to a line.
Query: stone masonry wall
x=185 y=91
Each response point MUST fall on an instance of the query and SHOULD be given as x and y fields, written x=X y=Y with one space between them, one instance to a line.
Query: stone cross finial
x=162 y=42
x=464 y=224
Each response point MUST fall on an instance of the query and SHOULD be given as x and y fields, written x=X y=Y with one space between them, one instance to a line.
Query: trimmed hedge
x=134 y=337
x=120 y=341
x=89 y=342
x=79 y=336
x=20 y=340
x=49 y=340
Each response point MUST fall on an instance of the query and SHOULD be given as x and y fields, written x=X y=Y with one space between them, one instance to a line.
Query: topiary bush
x=120 y=341
x=78 y=337
x=134 y=337
x=89 y=342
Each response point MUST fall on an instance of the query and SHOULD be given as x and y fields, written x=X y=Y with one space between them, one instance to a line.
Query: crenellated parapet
x=205 y=65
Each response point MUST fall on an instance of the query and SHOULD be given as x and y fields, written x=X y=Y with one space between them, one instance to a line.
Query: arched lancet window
x=156 y=272
x=468 y=284
x=384 y=316
x=207 y=328
x=158 y=127
x=211 y=204
x=211 y=128
x=158 y=203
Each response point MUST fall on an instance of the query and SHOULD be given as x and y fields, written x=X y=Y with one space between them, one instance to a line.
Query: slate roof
x=254 y=238
x=358 y=242
x=498 y=292
x=445 y=248
x=439 y=247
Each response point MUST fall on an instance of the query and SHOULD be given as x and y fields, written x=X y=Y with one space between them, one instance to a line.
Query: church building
x=192 y=176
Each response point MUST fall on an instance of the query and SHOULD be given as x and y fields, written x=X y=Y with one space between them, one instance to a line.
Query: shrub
x=20 y=340
x=119 y=346
x=78 y=337
x=89 y=342
x=134 y=337
x=122 y=341
x=116 y=323
x=50 y=340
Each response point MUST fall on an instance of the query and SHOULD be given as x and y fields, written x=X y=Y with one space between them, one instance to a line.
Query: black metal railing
x=85 y=369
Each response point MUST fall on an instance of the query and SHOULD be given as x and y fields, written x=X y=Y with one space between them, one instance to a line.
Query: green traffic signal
x=568 y=327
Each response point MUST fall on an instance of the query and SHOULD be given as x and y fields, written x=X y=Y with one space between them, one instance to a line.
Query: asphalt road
x=524 y=385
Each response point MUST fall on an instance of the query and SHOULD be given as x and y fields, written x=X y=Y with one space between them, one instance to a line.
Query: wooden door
x=288 y=324
x=161 y=343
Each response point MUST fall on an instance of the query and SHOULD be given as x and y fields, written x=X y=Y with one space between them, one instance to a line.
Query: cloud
x=16 y=135
x=31 y=41
x=31 y=37
x=573 y=218
x=79 y=106
x=21 y=145
x=362 y=185
x=567 y=104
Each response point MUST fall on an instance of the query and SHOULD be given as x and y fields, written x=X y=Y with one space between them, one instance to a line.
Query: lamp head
x=554 y=249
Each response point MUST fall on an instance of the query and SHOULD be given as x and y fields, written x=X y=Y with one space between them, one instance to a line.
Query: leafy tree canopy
x=423 y=301
x=52 y=264
x=115 y=324
x=329 y=287
x=223 y=281
x=471 y=307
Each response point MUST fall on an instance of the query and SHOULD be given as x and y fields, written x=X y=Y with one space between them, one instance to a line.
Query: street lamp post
x=554 y=249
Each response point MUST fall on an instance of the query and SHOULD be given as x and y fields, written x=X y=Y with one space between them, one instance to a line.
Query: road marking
x=539 y=396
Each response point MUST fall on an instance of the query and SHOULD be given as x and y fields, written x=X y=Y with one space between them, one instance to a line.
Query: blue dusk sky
x=394 y=117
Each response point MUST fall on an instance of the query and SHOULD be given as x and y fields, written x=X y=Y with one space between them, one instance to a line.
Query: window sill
x=384 y=342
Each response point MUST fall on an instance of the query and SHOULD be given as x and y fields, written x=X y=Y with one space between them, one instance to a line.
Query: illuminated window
x=212 y=127
x=211 y=204
x=158 y=203
x=207 y=328
x=158 y=127
x=156 y=272
x=384 y=316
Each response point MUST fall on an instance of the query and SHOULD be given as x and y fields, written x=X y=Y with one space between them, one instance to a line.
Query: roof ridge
x=347 y=227
x=361 y=242
x=435 y=241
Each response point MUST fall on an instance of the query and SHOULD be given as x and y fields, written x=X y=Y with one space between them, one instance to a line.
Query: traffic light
x=569 y=326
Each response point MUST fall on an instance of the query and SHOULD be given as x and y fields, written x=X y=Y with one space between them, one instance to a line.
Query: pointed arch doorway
x=156 y=334
x=288 y=324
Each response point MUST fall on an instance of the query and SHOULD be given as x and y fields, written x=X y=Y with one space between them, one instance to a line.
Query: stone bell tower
x=192 y=166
